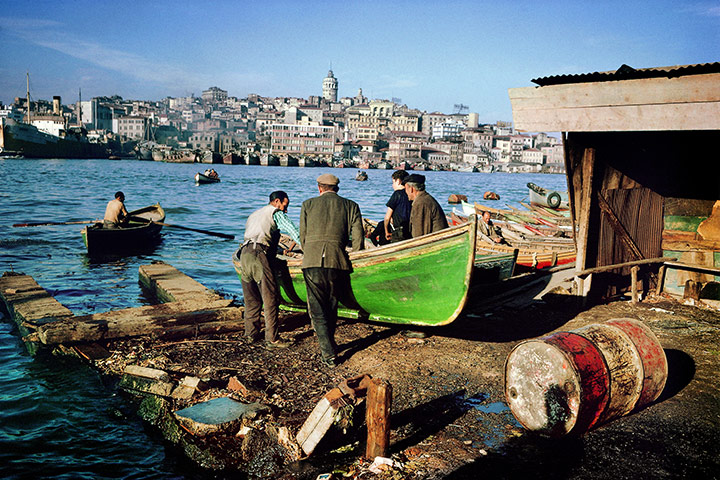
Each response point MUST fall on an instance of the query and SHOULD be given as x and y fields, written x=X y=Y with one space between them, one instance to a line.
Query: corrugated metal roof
x=626 y=72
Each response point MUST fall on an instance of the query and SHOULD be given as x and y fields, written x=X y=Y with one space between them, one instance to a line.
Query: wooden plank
x=170 y=320
x=690 y=102
x=660 y=280
x=634 y=283
x=619 y=228
x=588 y=169
x=631 y=118
x=379 y=398
x=607 y=268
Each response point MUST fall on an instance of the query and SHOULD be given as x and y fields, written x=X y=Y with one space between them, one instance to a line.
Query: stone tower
x=330 y=87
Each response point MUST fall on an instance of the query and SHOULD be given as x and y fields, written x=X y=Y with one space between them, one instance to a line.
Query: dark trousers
x=377 y=237
x=259 y=291
x=325 y=287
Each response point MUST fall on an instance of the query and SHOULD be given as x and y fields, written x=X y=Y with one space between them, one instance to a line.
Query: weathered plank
x=690 y=102
x=168 y=320
x=379 y=404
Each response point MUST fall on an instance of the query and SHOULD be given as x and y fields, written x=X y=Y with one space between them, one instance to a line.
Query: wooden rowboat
x=201 y=178
x=423 y=281
x=135 y=236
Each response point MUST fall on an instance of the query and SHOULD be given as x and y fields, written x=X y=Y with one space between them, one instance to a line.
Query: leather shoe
x=278 y=344
x=251 y=340
x=329 y=362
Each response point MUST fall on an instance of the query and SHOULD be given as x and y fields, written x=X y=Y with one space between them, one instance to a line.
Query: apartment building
x=130 y=127
x=287 y=139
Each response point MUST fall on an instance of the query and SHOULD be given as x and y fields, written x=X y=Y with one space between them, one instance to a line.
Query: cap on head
x=414 y=178
x=328 y=179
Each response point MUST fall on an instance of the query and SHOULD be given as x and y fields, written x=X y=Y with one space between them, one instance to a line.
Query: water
x=58 y=419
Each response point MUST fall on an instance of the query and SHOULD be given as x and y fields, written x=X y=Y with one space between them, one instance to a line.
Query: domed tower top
x=330 y=87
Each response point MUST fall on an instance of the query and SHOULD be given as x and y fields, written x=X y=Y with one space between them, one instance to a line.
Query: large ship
x=26 y=140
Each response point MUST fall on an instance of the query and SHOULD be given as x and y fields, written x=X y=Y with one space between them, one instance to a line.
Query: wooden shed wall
x=618 y=184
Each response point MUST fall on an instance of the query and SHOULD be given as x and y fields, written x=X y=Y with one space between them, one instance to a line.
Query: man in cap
x=426 y=215
x=257 y=254
x=328 y=223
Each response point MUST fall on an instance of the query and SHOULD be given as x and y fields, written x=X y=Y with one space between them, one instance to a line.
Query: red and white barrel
x=569 y=382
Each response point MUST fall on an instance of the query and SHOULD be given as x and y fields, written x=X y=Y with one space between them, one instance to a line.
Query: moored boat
x=421 y=281
x=548 y=198
x=361 y=176
x=140 y=232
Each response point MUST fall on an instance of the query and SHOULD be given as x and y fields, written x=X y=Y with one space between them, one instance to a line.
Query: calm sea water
x=58 y=419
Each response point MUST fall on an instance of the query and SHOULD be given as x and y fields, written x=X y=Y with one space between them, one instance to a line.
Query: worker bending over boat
x=396 y=225
x=328 y=223
x=115 y=212
x=426 y=214
x=257 y=254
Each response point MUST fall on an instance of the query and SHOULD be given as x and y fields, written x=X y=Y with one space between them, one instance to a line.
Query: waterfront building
x=204 y=141
x=330 y=87
x=532 y=155
x=130 y=127
x=316 y=140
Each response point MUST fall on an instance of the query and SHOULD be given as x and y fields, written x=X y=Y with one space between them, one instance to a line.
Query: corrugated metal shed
x=626 y=72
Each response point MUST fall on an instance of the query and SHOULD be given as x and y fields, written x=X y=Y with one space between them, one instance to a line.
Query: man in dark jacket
x=426 y=215
x=328 y=223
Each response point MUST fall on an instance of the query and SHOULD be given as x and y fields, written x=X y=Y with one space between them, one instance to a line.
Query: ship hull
x=30 y=142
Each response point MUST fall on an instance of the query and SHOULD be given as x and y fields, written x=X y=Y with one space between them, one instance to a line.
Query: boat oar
x=206 y=232
x=41 y=224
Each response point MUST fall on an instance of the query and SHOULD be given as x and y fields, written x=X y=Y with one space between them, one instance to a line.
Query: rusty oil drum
x=570 y=382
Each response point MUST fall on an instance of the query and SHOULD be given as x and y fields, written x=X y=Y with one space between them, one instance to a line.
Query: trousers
x=260 y=291
x=325 y=287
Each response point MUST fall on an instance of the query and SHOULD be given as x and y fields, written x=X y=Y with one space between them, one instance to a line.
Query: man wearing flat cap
x=328 y=223
x=426 y=215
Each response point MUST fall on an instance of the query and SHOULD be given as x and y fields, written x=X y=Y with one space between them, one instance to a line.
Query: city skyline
x=431 y=56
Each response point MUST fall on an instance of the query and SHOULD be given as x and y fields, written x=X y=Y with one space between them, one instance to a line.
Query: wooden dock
x=190 y=309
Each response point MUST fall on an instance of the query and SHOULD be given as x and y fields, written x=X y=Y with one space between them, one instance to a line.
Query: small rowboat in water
x=422 y=281
x=201 y=178
x=138 y=234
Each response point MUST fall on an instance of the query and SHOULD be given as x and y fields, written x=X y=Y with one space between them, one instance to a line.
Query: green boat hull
x=422 y=281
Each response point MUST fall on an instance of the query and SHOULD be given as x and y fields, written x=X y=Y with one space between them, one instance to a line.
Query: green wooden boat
x=423 y=281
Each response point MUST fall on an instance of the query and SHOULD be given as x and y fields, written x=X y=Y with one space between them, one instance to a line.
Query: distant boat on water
x=26 y=140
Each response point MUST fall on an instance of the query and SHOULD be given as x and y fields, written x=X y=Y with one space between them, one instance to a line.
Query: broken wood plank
x=319 y=421
x=28 y=302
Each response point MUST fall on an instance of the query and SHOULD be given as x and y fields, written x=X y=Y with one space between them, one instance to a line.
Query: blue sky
x=430 y=54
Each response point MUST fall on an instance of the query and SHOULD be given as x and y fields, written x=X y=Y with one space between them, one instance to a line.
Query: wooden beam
x=696 y=268
x=645 y=261
x=633 y=282
x=584 y=209
x=379 y=398
x=660 y=280
x=619 y=229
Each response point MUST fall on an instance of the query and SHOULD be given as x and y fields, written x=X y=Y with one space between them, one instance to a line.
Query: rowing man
x=115 y=213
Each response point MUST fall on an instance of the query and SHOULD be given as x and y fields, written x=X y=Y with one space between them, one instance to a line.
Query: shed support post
x=379 y=398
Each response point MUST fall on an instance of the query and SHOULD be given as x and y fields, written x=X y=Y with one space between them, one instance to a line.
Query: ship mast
x=28 y=97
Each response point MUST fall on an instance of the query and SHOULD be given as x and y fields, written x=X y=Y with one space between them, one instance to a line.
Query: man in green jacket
x=328 y=223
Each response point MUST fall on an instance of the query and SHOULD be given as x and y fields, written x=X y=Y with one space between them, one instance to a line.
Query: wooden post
x=379 y=402
x=634 y=281
x=660 y=280
x=583 y=219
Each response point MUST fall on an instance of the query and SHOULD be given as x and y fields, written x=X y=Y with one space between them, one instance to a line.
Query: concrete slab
x=218 y=414
x=169 y=284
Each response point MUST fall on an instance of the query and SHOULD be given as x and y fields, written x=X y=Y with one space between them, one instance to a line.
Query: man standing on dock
x=327 y=223
x=426 y=215
x=257 y=253
x=115 y=212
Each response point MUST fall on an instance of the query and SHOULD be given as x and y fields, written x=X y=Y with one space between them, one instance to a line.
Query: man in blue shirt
x=257 y=253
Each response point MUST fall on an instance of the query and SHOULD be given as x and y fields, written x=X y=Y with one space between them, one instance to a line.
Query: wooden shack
x=643 y=172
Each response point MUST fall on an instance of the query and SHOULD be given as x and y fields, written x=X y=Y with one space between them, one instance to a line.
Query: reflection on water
x=64 y=419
